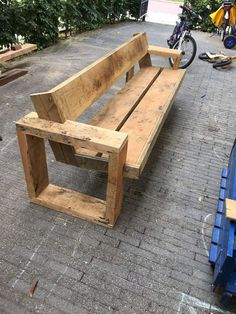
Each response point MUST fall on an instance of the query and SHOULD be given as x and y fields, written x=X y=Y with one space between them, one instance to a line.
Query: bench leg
x=34 y=162
x=71 y=202
x=115 y=185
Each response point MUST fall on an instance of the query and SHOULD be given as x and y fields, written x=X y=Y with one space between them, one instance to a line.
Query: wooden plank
x=129 y=74
x=73 y=203
x=74 y=134
x=114 y=195
x=46 y=109
x=166 y=52
x=77 y=93
x=88 y=161
x=11 y=75
x=119 y=108
x=230 y=209
x=149 y=116
x=11 y=54
x=145 y=61
x=34 y=162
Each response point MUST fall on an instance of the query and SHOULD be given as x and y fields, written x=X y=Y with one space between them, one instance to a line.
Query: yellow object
x=217 y=16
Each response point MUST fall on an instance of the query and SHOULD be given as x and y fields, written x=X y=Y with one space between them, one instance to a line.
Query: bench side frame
x=32 y=132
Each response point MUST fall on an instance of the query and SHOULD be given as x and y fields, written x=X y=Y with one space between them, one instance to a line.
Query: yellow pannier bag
x=217 y=16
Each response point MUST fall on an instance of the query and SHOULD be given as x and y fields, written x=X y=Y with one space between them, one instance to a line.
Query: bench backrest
x=70 y=99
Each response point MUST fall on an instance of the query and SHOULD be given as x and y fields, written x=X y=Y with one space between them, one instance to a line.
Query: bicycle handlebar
x=184 y=7
x=190 y=11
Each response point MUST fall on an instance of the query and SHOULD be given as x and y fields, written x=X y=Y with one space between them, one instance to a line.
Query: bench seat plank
x=118 y=109
x=141 y=127
x=115 y=113
x=145 y=123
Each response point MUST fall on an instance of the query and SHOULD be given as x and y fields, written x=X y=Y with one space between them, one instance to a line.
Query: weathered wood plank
x=11 y=54
x=230 y=209
x=74 y=134
x=114 y=195
x=73 y=203
x=11 y=75
x=129 y=74
x=118 y=109
x=77 y=93
x=145 y=61
x=34 y=162
x=164 y=52
x=144 y=125
x=47 y=109
x=167 y=53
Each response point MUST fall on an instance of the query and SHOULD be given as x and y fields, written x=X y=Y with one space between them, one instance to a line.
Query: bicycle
x=182 y=39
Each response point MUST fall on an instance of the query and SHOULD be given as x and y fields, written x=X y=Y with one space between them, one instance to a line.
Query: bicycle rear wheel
x=188 y=49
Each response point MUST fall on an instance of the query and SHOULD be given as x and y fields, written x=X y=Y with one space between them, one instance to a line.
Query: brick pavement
x=155 y=259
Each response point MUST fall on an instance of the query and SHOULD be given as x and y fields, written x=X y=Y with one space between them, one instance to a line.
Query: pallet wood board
x=11 y=75
x=11 y=54
x=230 y=209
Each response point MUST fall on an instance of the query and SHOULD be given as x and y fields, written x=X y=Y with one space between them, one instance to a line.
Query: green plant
x=38 y=21
x=41 y=21
x=204 y=8
x=10 y=22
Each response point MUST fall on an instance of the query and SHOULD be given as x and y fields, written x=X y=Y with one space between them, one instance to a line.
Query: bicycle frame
x=182 y=39
x=181 y=29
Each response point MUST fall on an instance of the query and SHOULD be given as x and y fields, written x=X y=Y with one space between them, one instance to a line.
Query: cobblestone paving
x=155 y=259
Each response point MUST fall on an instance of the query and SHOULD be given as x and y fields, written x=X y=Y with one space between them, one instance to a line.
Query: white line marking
x=8 y=144
x=217 y=122
x=203 y=234
x=77 y=243
x=180 y=303
x=190 y=304
x=33 y=255
x=218 y=156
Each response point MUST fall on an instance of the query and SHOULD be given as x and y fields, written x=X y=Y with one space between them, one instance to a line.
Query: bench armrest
x=166 y=52
x=74 y=134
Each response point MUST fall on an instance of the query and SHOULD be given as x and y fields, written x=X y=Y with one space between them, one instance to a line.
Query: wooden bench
x=119 y=138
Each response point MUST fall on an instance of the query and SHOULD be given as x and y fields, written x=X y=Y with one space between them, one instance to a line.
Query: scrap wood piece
x=11 y=54
x=33 y=288
x=230 y=209
x=11 y=75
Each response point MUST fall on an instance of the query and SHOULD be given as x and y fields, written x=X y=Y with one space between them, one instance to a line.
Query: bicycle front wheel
x=222 y=63
x=188 y=51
